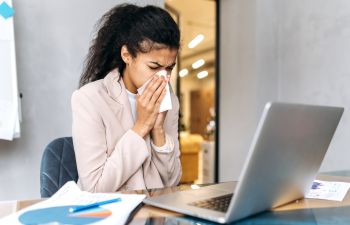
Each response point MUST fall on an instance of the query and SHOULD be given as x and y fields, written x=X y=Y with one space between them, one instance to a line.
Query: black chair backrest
x=58 y=166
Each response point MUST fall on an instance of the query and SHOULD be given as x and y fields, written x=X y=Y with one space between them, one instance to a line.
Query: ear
x=126 y=56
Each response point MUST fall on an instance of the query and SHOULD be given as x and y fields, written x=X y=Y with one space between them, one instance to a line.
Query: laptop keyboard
x=220 y=203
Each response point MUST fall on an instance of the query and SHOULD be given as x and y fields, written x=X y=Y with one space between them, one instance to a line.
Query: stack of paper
x=9 y=98
x=55 y=210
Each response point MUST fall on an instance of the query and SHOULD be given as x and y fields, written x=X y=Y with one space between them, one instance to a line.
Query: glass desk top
x=318 y=216
x=304 y=211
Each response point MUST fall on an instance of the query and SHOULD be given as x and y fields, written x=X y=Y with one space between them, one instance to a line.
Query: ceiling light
x=183 y=72
x=202 y=74
x=198 y=64
x=198 y=39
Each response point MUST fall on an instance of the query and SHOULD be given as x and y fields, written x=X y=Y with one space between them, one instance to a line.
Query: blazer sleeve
x=168 y=163
x=98 y=171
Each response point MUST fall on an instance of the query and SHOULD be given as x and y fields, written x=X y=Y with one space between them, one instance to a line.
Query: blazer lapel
x=117 y=91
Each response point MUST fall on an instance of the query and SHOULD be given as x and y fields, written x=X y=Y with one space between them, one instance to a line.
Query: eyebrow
x=156 y=63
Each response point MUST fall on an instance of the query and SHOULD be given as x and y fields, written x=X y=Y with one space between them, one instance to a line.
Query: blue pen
x=93 y=205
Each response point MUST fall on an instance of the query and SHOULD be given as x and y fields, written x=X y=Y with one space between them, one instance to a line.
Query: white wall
x=298 y=51
x=52 y=39
x=238 y=84
x=314 y=43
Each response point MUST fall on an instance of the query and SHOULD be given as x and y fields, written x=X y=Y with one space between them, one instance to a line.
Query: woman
x=121 y=140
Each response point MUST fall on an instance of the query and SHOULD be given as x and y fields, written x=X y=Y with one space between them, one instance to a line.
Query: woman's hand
x=148 y=104
x=160 y=120
x=157 y=132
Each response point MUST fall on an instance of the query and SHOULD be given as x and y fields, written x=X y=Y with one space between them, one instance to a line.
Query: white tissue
x=166 y=103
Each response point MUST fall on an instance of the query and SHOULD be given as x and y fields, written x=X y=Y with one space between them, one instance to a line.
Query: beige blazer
x=110 y=155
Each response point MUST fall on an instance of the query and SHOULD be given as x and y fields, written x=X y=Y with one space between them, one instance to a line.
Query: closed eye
x=154 y=68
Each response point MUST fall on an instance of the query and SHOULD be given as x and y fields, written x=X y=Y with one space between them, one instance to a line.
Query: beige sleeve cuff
x=168 y=147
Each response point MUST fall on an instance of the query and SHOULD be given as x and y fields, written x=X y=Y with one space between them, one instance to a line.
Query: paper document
x=327 y=190
x=9 y=97
x=7 y=119
x=55 y=210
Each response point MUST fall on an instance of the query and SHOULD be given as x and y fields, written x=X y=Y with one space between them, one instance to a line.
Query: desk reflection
x=316 y=216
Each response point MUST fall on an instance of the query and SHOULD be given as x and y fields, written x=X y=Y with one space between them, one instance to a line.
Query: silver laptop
x=287 y=150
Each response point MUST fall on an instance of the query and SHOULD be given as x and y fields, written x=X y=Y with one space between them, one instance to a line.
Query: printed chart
x=62 y=215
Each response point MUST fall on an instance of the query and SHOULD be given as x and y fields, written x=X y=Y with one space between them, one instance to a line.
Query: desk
x=305 y=211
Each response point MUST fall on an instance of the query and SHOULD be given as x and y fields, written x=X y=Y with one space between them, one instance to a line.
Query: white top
x=169 y=142
x=132 y=100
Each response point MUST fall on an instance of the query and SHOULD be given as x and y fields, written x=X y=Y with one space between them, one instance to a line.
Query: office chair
x=58 y=166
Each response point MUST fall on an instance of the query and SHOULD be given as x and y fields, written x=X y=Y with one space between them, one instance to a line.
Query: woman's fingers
x=159 y=100
x=156 y=95
x=151 y=88
x=150 y=83
x=148 y=110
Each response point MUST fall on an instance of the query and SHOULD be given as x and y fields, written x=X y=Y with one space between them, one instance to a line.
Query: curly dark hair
x=132 y=26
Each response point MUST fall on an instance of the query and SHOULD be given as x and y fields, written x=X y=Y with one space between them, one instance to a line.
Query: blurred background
x=195 y=87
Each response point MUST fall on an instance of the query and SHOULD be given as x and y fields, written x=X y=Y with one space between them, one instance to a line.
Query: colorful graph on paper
x=62 y=215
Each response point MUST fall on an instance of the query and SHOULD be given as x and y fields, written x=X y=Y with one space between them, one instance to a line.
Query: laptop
x=287 y=150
